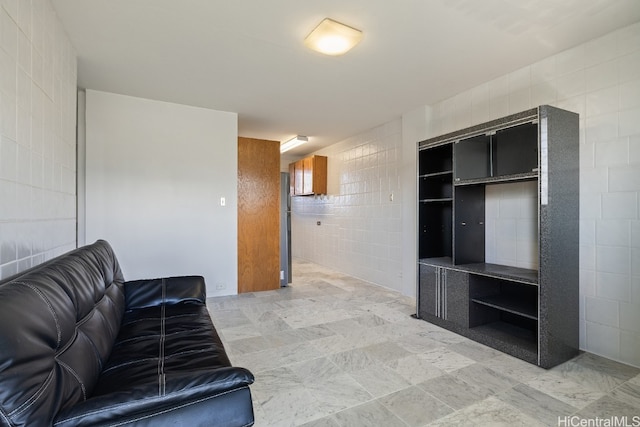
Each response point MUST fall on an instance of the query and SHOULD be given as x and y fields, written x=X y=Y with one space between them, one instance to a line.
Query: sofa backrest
x=58 y=323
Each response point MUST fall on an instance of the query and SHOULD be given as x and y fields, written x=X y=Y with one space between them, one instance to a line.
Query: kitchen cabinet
x=309 y=176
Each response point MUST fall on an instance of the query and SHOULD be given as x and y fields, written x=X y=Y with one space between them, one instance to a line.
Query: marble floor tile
x=368 y=414
x=282 y=338
x=588 y=376
x=272 y=382
x=352 y=360
x=443 y=336
x=474 y=350
x=565 y=390
x=385 y=311
x=248 y=345
x=329 y=421
x=414 y=369
x=291 y=407
x=229 y=318
x=629 y=393
x=516 y=369
x=334 y=344
x=606 y=366
x=363 y=337
x=485 y=378
x=415 y=407
x=380 y=380
x=608 y=407
x=248 y=330
x=386 y=351
x=445 y=359
x=455 y=391
x=537 y=404
x=338 y=392
x=315 y=332
x=343 y=326
x=490 y=412
x=316 y=369
x=415 y=343
x=369 y=320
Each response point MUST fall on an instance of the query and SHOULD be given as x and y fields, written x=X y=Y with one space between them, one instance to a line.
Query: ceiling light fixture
x=332 y=38
x=293 y=143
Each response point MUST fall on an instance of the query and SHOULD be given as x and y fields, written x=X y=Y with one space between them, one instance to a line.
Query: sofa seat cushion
x=163 y=356
x=162 y=342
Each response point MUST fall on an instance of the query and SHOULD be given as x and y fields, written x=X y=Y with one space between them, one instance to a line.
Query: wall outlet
x=281 y=274
x=220 y=286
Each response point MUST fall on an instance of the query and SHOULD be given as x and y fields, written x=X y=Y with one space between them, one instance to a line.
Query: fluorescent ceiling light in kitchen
x=293 y=143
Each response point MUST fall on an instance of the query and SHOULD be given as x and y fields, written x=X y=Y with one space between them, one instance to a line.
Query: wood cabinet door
x=307 y=180
x=298 y=177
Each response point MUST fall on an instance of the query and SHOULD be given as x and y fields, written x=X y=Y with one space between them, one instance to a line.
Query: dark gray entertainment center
x=531 y=314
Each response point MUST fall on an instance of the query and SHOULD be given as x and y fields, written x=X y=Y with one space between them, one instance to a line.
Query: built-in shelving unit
x=529 y=313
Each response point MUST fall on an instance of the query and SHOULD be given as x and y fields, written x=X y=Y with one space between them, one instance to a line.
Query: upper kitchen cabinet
x=309 y=176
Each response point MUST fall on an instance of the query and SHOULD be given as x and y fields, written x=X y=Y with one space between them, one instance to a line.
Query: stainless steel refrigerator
x=285 y=230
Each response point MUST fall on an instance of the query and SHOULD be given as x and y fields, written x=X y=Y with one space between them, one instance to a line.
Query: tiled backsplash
x=360 y=220
x=38 y=136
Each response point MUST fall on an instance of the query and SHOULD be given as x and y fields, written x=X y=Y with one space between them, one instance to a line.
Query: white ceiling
x=247 y=56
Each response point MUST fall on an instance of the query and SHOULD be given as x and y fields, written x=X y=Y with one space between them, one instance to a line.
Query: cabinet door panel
x=299 y=177
x=471 y=158
x=457 y=297
x=428 y=285
x=469 y=224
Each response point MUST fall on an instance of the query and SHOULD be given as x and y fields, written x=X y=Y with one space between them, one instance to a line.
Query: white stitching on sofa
x=175 y=316
x=53 y=312
x=189 y=331
x=33 y=399
x=110 y=408
x=5 y=417
x=76 y=376
x=149 y=359
x=146 y=359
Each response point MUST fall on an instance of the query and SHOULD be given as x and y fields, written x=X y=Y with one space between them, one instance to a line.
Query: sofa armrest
x=151 y=402
x=167 y=290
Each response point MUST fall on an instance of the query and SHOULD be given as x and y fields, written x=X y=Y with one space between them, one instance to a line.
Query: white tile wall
x=360 y=231
x=37 y=136
x=511 y=224
x=600 y=80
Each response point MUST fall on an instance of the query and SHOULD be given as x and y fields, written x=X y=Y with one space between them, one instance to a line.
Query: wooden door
x=258 y=215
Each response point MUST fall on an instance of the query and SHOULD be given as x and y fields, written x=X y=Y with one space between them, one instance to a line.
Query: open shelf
x=511 y=338
x=499 y=271
x=435 y=160
x=514 y=305
x=436 y=186
x=526 y=176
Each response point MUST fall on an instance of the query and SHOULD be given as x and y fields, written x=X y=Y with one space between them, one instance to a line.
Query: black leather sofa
x=79 y=346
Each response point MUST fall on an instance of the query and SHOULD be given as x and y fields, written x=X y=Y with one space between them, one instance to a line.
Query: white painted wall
x=155 y=173
x=600 y=80
x=37 y=136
